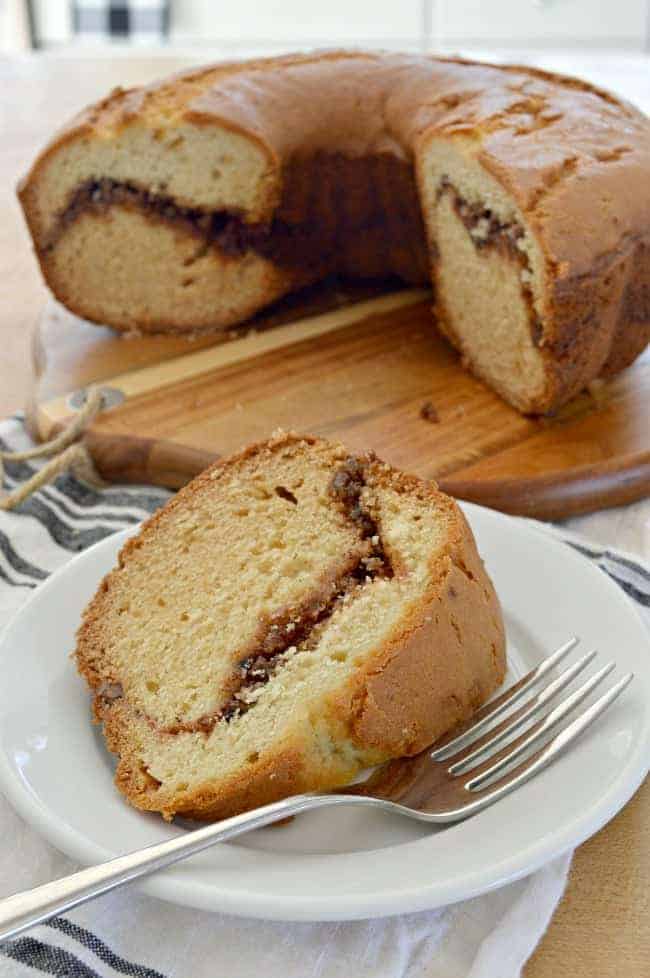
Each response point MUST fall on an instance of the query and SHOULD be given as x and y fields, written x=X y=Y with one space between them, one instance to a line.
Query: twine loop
x=66 y=451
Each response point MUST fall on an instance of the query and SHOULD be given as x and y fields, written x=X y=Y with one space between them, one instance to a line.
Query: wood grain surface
x=602 y=927
x=371 y=371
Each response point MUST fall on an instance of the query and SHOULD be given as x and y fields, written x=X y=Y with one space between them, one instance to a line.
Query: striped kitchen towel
x=133 y=21
x=128 y=934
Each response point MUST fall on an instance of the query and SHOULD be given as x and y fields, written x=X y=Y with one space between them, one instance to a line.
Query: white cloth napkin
x=125 y=933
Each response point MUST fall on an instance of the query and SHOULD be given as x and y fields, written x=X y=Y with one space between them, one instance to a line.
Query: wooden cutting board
x=366 y=368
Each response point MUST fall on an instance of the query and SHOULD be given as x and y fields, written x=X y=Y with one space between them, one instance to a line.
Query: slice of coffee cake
x=295 y=614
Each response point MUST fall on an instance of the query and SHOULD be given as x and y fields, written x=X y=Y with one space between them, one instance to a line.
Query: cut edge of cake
x=489 y=274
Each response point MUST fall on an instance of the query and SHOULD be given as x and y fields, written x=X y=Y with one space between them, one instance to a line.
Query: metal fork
x=492 y=754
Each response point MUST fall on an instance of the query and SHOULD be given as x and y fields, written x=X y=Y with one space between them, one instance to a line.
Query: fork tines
x=500 y=747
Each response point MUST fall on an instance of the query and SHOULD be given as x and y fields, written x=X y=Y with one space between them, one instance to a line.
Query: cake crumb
x=429 y=413
x=481 y=230
x=598 y=390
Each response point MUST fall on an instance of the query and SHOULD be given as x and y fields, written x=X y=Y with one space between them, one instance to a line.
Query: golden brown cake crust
x=445 y=660
x=574 y=158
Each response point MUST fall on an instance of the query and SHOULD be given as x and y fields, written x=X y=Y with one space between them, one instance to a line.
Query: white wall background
x=444 y=25
x=374 y=21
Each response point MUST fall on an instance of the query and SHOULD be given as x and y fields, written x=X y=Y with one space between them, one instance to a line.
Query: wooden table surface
x=602 y=926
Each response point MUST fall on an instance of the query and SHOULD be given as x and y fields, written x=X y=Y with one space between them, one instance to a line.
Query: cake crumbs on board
x=429 y=413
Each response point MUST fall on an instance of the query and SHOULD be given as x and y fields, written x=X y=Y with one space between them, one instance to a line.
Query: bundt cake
x=524 y=197
x=292 y=616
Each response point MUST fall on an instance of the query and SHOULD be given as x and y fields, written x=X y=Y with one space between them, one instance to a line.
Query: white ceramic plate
x=334 y=864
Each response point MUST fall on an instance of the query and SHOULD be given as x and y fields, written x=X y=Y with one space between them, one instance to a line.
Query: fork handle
x=23 y=910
